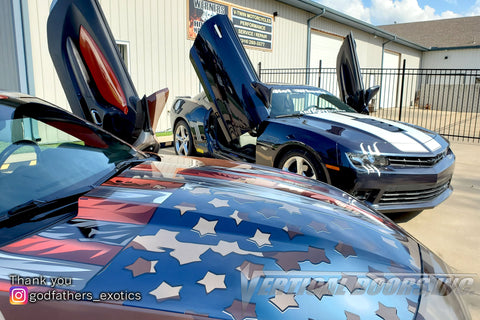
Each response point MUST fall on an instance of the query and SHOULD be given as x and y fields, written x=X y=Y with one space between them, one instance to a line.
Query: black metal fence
x=443 y=100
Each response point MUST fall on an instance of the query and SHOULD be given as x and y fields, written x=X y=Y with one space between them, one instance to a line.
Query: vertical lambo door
x=349 y=77
x=228 y=78
x=94 y=77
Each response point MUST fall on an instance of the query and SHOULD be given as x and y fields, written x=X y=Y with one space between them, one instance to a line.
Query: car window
x=44 y=159
x=288 y=101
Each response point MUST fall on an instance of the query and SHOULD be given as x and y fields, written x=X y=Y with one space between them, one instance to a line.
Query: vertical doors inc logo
x=18 y=295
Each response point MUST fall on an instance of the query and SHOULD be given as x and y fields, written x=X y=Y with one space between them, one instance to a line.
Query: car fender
x=196 y=116
x=271 y=146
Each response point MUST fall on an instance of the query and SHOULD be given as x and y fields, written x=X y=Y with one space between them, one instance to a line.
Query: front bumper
x=407 y=188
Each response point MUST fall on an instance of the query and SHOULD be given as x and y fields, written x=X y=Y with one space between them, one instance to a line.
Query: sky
x=380 y=12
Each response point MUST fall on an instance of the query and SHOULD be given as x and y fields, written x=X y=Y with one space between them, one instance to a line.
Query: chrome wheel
x=182 y=138
x=299 y=165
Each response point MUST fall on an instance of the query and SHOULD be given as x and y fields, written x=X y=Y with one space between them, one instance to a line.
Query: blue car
x=391 y=166
x=91 y=227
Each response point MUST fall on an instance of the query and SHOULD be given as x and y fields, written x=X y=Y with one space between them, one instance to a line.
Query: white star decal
x=389 y=242
x=184 y=252
x=260 y=239
x=283 y=300
x=165 y=291
x=236 y=217
x=200 y=191
x=205 y=227
x=218 y=203
x=183 y=207
x=290 y=209
x=213 y=281
x=225 y=247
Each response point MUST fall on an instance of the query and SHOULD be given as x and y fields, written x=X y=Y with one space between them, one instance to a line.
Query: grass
x=163 y=133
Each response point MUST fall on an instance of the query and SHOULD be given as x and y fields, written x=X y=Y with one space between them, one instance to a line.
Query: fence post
x=319 y=72
x=307 y=76
x=401 y=90
x=260 y=70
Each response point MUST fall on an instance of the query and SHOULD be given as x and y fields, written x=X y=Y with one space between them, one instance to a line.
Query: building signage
x=254 y=29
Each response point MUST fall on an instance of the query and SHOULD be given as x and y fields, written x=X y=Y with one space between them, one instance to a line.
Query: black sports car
x=390 y=165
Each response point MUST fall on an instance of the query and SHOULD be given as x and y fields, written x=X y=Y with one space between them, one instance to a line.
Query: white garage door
x=325 y=47
x=391 y=62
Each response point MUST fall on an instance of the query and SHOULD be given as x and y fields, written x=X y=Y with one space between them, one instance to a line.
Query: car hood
x=360 y=132
x=201 y=236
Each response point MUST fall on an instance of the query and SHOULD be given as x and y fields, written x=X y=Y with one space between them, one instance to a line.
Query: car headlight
x=367 y=160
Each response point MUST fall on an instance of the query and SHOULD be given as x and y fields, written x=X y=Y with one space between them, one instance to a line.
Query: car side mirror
x=370 y=93
x=263 y=92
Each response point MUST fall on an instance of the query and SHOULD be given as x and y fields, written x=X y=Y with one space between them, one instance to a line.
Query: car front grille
x=417 y=161
x=390 y=197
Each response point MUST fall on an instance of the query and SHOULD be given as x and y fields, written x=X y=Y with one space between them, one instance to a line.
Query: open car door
x=228 y=78
x=94 y=77
x=349 y=77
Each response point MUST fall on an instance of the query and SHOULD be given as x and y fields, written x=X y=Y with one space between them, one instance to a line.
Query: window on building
x=124 y=48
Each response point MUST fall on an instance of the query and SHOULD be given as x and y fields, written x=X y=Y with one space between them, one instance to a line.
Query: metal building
x=155 y=37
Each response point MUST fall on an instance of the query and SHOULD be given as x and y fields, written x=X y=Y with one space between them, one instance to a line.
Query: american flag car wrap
x=231 y=242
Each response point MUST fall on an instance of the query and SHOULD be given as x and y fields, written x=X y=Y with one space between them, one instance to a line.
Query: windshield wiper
x=289 y=115
x=128 y=163
x=123 y=165
x=38 y=206
x=25 y=207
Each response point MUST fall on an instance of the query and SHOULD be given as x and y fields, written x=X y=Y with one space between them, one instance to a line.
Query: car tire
x=182 y=139
x=303 y=163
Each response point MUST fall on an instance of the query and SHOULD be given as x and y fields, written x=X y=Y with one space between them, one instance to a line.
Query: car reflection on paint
x=389 y=165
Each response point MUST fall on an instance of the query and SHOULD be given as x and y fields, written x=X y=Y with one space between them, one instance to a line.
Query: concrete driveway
x=451 y=230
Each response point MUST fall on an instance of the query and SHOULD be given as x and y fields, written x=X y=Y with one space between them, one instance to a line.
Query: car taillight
x=3 y=97
x=102 y=73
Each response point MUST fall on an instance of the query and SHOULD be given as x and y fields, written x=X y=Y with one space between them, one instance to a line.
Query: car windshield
x=293 y=101
x=47 y=154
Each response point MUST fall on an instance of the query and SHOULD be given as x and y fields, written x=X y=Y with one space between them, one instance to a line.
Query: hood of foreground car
x=360 y=132
x=226 y=240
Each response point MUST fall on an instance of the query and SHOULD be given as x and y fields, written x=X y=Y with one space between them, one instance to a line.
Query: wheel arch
x=296 y=145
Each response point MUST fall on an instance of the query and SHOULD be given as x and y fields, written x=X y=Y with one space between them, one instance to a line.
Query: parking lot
x=452 y=229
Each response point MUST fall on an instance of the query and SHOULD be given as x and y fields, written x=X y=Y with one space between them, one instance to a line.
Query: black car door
x=93 y=75
x=349 y=77
x=228 y=78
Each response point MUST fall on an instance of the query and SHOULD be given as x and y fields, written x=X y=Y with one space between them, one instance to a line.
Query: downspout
x=381 y=67
x=309 y=42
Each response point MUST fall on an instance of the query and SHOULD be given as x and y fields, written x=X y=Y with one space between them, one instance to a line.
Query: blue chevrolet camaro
x=390 y=165
x=91 y=227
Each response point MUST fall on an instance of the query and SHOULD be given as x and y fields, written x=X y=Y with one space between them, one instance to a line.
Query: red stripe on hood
x=107 y=210
x=65 y=249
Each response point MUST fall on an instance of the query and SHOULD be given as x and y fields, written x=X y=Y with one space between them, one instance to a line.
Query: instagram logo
x=18 y=295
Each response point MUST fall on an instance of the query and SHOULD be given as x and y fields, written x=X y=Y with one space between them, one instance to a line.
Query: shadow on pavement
x=403 y=216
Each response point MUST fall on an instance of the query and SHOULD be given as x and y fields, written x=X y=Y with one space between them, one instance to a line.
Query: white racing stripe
x=408 y=140
x=430 y=143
